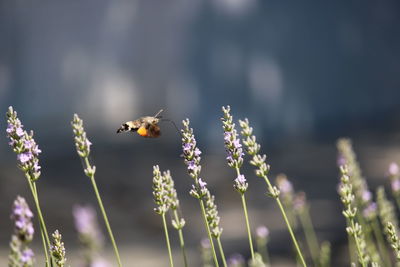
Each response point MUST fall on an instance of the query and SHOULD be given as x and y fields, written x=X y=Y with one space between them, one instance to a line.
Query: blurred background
x=303 y=73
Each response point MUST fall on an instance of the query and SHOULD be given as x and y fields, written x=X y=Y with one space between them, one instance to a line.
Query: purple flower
x=187 y=147
x=22 y=216
x=240 y=184
x=205 y=243
x=19 y=132
x=370 y=210
x=24 y=145
x=395 y=185
x=341 y=160
x=233 y=146
x=284 y=185
x=24 y=157
x=191 y=165
x=393 y=169
x=86 y=223
x=241 y=179
x=366 y=195
x=197 y=152
x=27 y=256
x=202 y=184
x=236 y=260
x=299 y=202
x=191 y=153
x=262 y=232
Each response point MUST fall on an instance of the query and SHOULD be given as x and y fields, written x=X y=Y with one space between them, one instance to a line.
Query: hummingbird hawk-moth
x=146 y=126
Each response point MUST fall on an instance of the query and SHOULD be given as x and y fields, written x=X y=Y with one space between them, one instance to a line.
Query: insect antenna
x=173 y=123
x=158 y=114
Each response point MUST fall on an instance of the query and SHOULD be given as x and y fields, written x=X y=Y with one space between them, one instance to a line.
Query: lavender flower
x=262 y=232
x=212 y=215
x=236 y=260
x=23 y=145
x=191 y=153
x=354 y=229
x=232 y=142
x=370 y=211
x=160 y=193
x=82 y=144
x=21 y=254
x=299 y=202
x=394 y=175
x=86 y=224
x=284 y=185
x=22 y=216
x=58 y=249
x=240 y=184
x=27 y=257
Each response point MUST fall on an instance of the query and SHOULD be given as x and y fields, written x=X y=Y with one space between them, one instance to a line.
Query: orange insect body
x=145 y=126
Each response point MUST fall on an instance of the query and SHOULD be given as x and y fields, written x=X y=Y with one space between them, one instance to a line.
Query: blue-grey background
x=304 y=74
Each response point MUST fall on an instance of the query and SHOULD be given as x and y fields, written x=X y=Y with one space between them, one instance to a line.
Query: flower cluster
x=236 y=260
x=240 y=184
x=394 y=175
x=253 y=148
x=86 y=224
x=191 y=153
x=393 y=239
x=300 y=202
x=21 y=254
x=58 y=249
x=354 y=228
x=212 y=214
x=22 y=216
x=199 y=190
x=160 y=193
x=82 y=143
x=89 y=234
x=24 y=145
x=386 y=209
x=177 y=223
x=232 y=142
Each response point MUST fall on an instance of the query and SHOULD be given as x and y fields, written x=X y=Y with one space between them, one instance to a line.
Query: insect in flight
x=146 y=126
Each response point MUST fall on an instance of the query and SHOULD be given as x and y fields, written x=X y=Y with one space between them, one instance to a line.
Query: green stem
x=221 y=251
x=203 y=211
x=181 y=240
x=43 y=228
x=359 y=252
x=278 y=201
x=167 y=240
x=246 y=218
x=310 y=235
x=291 y=232
x=103 y=213
x=248 y=226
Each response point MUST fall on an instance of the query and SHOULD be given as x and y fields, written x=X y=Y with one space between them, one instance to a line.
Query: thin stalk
x=248 y=226
x=381 y=242
x=103 y=213
x=221 y=251
x=247 y=220
x=203 y=212
x=43 y=228
x=181 y=240
x=291 y=232
x=278 y=201
x=167 y=240
x=361 y=259
x=310 y=235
